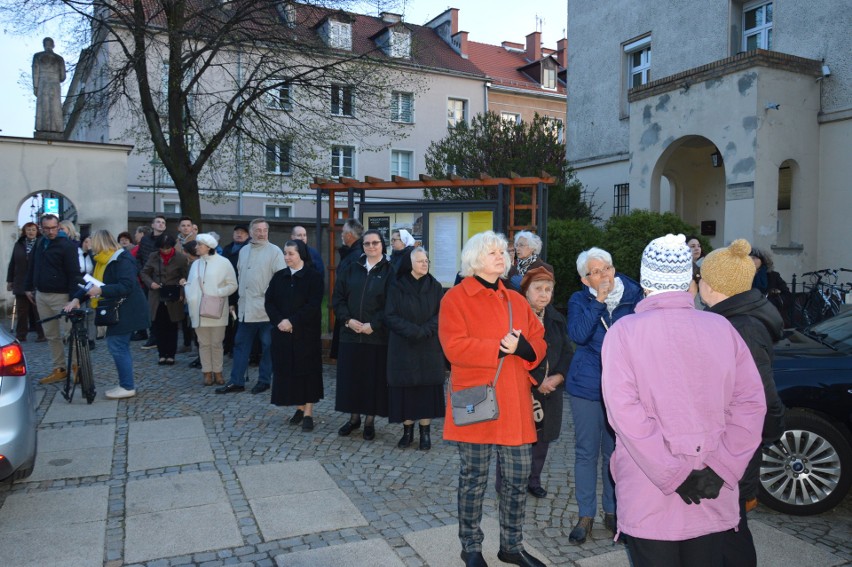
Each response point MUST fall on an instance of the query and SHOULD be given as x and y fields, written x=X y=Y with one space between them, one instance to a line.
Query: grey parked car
x=17 y=412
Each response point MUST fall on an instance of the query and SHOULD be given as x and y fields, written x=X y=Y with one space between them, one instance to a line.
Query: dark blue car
x=809 y=470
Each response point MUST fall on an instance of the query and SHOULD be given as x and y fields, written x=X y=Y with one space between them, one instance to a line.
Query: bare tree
x=208 y=84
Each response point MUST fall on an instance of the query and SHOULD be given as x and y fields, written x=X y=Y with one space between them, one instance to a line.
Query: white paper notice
x=446 y=246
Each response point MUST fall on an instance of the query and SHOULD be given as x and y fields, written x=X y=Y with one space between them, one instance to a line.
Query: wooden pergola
x=508 y=190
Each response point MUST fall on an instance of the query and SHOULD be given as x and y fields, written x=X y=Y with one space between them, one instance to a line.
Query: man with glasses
x=257 y=263
x=52 y=279
x=607 y=297
x=350 y=251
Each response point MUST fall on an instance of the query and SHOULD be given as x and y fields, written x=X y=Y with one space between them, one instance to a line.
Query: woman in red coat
x=476 y=332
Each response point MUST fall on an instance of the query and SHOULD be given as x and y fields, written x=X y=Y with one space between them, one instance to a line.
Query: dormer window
x=395 y=41
x=400 y=44
x=548 y=75
x=337 y=34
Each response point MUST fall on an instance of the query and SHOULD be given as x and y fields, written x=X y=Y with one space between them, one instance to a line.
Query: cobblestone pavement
x=397 y=491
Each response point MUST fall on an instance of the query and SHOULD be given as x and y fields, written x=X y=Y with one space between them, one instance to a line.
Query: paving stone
x=180 y=531
x=33 y=510
x=361 y=554
x=145 y=456
x=72 y=463
x=262 y=481
x=288 y=515
x=56 y=544
x=171 y=492
x=142 y=432
x=78 y=410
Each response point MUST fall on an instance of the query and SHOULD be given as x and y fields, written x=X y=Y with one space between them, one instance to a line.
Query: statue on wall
x=48 y=75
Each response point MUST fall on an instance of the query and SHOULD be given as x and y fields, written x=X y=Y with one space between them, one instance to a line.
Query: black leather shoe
x=259 y=387
x=611 y=523
x=307 y=423
x=297 y=417
x=473 y=559
x=369 y=432
x=581 y=531
x=348 y=428
x=230 y=388
x=537 y=491
x=521 y=558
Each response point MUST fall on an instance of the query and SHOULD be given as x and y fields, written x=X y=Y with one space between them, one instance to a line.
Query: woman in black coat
x=294 y=305
x=117 y=269
x=16 y=282
x=537 y=286
x=415 y=358
x=362 y=358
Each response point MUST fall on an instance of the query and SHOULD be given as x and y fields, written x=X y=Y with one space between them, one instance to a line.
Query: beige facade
x=780 y=119
x=91 y=176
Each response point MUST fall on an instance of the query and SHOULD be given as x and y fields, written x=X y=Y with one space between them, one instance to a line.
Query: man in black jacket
x=350 y=251
x=52 y=278
x=147 y=245
x=725 y=285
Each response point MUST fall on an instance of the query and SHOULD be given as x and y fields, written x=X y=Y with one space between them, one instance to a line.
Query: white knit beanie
x=666 y=264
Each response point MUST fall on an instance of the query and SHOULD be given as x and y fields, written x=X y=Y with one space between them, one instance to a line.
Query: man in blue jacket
x=52 y=279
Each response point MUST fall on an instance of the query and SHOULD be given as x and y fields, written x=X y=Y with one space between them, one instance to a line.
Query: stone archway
x=38 y=203
x=686 y=182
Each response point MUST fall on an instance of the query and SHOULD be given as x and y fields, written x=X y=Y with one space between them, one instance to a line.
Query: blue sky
x=487 y=21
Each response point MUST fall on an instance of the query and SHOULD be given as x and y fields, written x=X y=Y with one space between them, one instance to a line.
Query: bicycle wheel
x=84 y=370
x=814 y=308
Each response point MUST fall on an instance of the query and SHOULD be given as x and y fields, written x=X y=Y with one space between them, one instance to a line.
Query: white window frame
x=338 y=161
x=280 y=97
x=400 y=44
x=396 y=163
x=280 y=147
x=558 y=125
x=339 y=35
x=398 y=107
x=452 y=118
x=763 y=31
x=341 y=92
x=273 y=210
x=642 y=47
x=175 y=205
x=510 y=117
x=548 y=77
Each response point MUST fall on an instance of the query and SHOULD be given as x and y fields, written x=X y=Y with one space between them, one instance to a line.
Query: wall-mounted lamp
x=826 y=72
x=772 y=106
x=716 y=159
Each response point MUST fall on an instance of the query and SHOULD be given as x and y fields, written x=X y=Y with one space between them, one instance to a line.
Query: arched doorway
x=689 y=180
x=42 y=202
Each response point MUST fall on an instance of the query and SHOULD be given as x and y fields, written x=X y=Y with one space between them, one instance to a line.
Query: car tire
x=791 y=482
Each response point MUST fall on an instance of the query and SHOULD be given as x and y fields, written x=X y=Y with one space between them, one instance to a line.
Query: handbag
x=211 y=306
x=169 y=293
x=478 y=403
x=106 y=313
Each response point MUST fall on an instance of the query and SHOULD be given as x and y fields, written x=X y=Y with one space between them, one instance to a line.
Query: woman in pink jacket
x=686 y=402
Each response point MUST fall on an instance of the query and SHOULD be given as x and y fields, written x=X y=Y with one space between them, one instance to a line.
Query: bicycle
x=78 y=348
x=819 y=300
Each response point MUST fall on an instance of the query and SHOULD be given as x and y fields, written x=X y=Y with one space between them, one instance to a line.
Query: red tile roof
x=504 y=66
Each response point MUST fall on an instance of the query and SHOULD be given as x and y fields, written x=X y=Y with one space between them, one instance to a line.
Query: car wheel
x=809 y=470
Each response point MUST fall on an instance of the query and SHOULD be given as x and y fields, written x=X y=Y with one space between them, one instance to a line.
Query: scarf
x=614 y=298
x=525 y=263
x=102 y=258
x=168 y=256
x=28 y=244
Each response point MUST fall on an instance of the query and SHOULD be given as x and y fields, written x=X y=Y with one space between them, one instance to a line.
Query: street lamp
x=155 y=165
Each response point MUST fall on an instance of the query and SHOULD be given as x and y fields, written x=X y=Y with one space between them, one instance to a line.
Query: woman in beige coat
x=214 y=275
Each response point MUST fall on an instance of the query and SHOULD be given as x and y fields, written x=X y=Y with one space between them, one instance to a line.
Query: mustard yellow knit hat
x=729 y=270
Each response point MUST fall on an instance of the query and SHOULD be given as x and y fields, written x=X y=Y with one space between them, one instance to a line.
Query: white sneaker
x=119 y=392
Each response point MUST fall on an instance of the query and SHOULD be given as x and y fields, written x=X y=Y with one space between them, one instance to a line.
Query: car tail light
x=12 y=361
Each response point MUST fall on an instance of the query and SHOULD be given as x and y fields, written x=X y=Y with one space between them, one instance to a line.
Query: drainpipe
x=487 y=86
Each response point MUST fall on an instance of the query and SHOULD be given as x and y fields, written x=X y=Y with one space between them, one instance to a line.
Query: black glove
x=688 y=489
x=708 y=483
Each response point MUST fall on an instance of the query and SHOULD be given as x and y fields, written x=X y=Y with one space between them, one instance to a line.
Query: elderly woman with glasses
x=606 y=297
x=359 y=302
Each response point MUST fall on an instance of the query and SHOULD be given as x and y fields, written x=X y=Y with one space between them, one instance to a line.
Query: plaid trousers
x=516 y=464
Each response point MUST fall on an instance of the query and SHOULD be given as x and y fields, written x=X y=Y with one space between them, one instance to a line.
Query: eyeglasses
x=46 y=228
x=598 y=272
x=372 y=243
